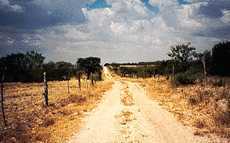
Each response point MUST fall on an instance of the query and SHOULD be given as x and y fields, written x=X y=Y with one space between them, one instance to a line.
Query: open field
x=117 y=110
x=29 y=120
x=128 y=115
x=207 y=109
x=115 y=71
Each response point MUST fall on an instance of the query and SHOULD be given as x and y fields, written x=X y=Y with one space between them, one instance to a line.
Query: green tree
x=34 y=66
x=23 y=67
x=35 y=59
x=89 y=65
x=182 y=55
x=221 y=58
x=59 y=70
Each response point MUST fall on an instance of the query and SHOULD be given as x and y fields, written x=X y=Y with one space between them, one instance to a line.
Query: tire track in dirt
x=127 y=115
x=165 y=128
x=100 y=124
x=133 y=126
x=126 y=118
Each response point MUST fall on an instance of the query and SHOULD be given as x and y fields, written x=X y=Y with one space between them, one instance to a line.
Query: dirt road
x=127 y=115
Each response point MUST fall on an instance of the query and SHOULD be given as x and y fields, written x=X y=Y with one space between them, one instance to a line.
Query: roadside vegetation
x=32 y=111
x=29 y=67
x=184 y=61
x=194 y=86
x=29 y=120
x=204 y=108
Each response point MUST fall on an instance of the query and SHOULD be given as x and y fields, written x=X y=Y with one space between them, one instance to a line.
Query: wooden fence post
x=204 y=68
x=79 y=79
x=173 y=77
x=173 y=72
x=68 y=78
x=68 y=85
x=92 y=80
x=45 y=93
x=2 y=98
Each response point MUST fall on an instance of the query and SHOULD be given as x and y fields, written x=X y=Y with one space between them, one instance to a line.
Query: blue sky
x=97 y=4
x=184 y=1
x=115 y=30
x=151 y=7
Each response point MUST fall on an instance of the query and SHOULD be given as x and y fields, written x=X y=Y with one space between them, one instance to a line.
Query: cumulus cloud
x=129 y=30
x=226 y=16
x=7 y=6
x=154 y=2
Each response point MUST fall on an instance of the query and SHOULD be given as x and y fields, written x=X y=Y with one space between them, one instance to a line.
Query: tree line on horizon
x=30 y=66
x=184 y=61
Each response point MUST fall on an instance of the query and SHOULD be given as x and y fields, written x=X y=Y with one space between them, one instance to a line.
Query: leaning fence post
x=204 y=69
x=173 y=72
x=2 y=99
x=45 y=93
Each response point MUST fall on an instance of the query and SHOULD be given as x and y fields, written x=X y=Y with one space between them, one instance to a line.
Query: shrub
x=219 y=82
x=193 y=100
x=189 y=77
x=185 y=78
x=222 y=118
x=48 y=122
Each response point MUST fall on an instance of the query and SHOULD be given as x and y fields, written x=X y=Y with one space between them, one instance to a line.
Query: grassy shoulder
x=30 y=121
x=204 y=108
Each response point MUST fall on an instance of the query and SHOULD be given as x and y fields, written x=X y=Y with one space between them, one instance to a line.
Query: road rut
x=142 y=121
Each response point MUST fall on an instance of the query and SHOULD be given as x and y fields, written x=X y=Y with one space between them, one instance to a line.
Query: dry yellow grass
x=194 y=105
x=30 y=121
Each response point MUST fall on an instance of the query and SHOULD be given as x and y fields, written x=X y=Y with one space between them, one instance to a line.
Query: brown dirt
x=145 y=121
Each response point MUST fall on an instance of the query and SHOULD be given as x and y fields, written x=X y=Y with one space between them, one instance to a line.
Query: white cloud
x=128 y=32
x=226 y=16
x=7 y=6
x=154 y=2
x=186 y=19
